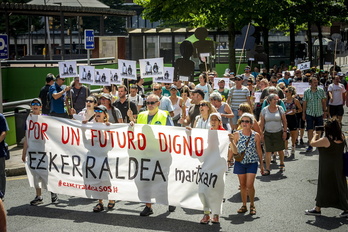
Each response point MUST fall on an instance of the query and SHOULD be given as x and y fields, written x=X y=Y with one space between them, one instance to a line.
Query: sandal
x=282 y=168
x=252 y=210
x=266 y=173
x=205 y=219
x=215 y=219
x=111 y=205
x=242 y=209
x=98 y=208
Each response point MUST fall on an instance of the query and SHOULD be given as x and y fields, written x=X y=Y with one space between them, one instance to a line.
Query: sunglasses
x=89 y=101
x=98 y=111
x=35 y=104
x=151 y=103
x=286 y=91
x=274 y=82
x=167 y=84
x=246 y=121
x=203 y=104
x=156 y=89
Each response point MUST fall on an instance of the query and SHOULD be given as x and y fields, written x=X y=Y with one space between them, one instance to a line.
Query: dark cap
x=36 y=99
x=106 y=95
x=101 y=107
x=199 y=91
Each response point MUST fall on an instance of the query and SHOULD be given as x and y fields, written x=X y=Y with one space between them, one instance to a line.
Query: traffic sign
x=89 y=39
x=3 y=47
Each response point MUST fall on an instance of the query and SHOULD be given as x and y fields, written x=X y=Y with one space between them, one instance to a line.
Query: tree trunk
x=321 y=51
x=266 y=45
x=16 y=47
x=232 y=51
x=310 y=44
x=292 y=42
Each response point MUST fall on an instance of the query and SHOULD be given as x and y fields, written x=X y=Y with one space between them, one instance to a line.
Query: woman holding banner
x=87 y=114
x=36 y=106
x=248 y=141
x=101 y=116
x=203 y=120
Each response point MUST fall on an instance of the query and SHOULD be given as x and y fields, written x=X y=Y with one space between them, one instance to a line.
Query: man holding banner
x=154 y=116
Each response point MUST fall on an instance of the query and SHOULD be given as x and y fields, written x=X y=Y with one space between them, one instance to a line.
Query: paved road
x=280 y=202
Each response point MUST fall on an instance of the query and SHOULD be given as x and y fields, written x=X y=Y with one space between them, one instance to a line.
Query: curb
x=15 y=171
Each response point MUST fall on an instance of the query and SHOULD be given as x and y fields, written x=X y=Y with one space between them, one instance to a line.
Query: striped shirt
x=314 y=101
x=238 y=96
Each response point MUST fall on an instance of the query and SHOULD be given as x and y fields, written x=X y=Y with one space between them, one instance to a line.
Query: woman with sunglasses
x=101 y=116
x=203 y=120
x=273 y=123
x=87 y=114
x=293 y=106
x=177 y=103
x=248 y=141
x=36 y=107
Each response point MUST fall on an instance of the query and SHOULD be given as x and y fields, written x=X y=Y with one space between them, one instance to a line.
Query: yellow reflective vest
x=160 y=118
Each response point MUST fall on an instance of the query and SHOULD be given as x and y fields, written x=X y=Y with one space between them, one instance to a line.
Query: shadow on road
x=328 y=223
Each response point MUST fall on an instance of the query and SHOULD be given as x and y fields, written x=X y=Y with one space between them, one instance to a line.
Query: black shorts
x=292 y=122
x=336 y=110
x=300 y=122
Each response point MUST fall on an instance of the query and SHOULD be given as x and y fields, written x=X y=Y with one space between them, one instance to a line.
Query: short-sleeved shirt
x=3 y=127
x=314 y=101
x=238 y=96
x=337 y=91
x=224 y=94
x=43 y=95
x=137 y=99
x=273 y=121
x=193 y=112
x=112 y=119
x=123 y=107
x=57 y=105
x=166 y=104
x=79 y=97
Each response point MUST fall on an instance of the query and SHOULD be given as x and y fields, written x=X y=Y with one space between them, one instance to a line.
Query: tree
x=224 y=14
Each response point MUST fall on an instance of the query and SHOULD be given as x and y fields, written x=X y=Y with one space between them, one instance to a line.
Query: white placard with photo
x=257 y=96
x=127 y=69
x=304 y=66
x=67 y=69
x=300 y=87
x=217 y=79
x=151 y=67
x=167 y=77
x=102 y=77
x=115 y=77
x=183 y=78
x=86 y=74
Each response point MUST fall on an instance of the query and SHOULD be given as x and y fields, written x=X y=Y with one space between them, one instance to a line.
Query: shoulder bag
x=240 y=156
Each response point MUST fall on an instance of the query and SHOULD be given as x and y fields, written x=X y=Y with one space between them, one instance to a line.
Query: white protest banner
x=86 y=74
x=167 y=77
x=300 y=87
x=128 y=69
x=304 y=66
x=217 y=79
x=158 y=164
x=115 y=77
x=67 y=69
x=151 y=67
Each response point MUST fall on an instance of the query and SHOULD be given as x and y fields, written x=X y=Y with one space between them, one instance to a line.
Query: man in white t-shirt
x=135 y=97
x=337 y=96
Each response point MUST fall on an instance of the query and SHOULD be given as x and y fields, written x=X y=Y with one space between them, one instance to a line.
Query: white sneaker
x=286 y=153
x=292 y=150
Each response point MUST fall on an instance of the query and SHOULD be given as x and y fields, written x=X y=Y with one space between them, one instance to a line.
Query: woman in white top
x=203 y=120
x=203 y=85
x=185 y=94
x=87 y=114
x=177 y=103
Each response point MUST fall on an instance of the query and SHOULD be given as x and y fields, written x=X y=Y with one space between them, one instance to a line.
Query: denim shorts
x=240 y=168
